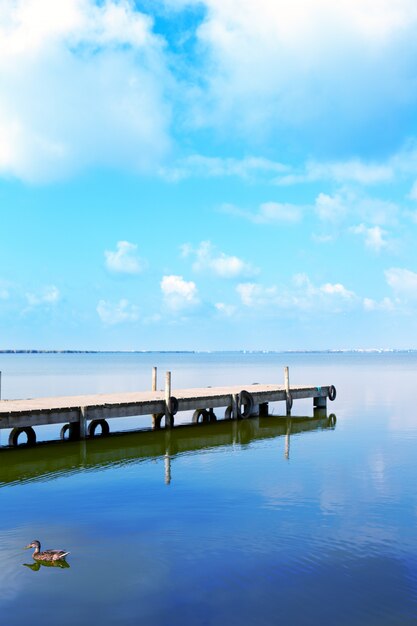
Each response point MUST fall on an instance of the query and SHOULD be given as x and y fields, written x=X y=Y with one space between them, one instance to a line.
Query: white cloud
x=254 y=295
x=386 y=304
x=117 y=313
x=280 y=63
x=376 y=211
x=80 y=86
x=330 y=208
x=268 y=213
x=49 y=296
x=373 y=236
x=124 y=260
x=337 y=289
x=178 y=293
x=354 y=170
x=228 y=310
x=350 y=203
x=207 y=258
x=403 y=282
x=300 y=295
x=86 y=84
x=249 y=167
x=322 y=238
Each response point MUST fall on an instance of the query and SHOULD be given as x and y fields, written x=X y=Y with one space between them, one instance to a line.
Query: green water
x=302 y=521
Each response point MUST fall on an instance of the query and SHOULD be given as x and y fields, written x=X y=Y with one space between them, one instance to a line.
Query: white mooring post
x=0 y=385
x=83 y=422
x=235 y=406
x=287 y=378
x=287 y=388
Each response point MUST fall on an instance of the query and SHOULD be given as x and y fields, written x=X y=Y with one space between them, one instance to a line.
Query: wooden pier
x=81 y=416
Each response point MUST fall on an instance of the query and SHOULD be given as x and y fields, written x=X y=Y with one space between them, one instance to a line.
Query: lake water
x=264 y=521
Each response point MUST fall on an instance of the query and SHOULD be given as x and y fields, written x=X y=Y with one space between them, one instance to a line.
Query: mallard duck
x=46 y=555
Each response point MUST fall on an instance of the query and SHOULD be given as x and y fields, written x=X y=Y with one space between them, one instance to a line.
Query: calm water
x=265 y=521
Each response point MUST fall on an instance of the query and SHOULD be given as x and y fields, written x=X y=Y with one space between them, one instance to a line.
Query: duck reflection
x=35 y=567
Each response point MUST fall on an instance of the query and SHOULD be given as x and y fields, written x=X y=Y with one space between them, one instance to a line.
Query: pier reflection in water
x=49 y=460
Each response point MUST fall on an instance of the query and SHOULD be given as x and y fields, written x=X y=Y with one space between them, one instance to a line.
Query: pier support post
x=212 y=416
x=154 y=387
x=235 y=406
x=263 y=409
x=0 y=385
x=320 y=402
x=255 y=411
x=287 y=389
x=169 y=419
x=83 y=422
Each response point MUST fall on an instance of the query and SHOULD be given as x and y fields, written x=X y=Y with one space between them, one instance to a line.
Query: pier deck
x=77 y=411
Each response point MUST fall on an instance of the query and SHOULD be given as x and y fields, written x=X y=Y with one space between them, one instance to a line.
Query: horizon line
x=236 y=351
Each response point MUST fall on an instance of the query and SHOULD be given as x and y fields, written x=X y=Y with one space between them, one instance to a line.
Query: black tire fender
x=201 y=413
x=73 y=429
x=228 y=413
x=28 y=430
x=174 y=405
x=332 y=393
x=94 y=424
x=245 y=399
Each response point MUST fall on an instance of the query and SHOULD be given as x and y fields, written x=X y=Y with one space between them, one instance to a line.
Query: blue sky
x=208 y=175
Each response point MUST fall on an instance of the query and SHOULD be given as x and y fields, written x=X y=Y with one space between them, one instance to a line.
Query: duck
x=45 y=555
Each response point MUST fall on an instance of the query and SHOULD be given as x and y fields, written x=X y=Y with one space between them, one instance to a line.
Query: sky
x=208 y=175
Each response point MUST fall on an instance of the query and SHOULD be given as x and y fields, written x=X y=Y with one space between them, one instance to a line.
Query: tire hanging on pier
x=332 y=393
x=245 y=400
x=201 y=413
x=157 y=419
x=228 y=414
x=94 y=424
x=73 y=429
x=174 y=405
x=29 y=432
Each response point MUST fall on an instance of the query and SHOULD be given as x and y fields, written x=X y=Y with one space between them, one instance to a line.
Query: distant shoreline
x=335 y=351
